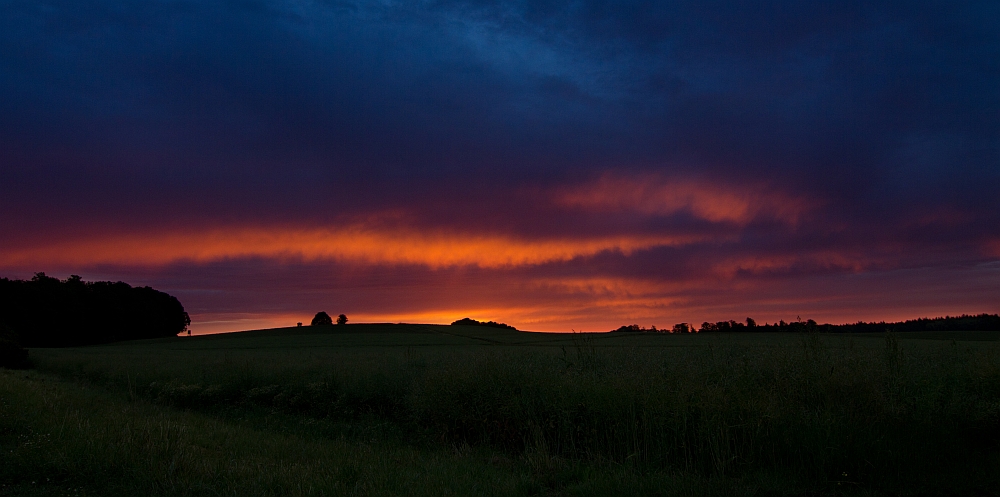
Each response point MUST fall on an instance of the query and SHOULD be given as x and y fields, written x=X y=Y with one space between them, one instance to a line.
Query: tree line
x=48 y=312
x=491 y=324
x=965 y=322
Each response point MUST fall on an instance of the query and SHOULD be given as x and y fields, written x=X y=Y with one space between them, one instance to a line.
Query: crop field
x=463 y=410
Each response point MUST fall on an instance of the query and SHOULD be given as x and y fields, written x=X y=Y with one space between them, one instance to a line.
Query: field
x=438 y=410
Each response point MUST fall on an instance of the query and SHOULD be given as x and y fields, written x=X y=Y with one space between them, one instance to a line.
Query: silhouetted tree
x=321 y=319
x=979 y=322
x=342 y=319
x=47 y=312
x=634 y=328
x=630 y=328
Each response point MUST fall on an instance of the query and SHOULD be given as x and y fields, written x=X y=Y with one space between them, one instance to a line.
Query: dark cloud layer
x=876 y=125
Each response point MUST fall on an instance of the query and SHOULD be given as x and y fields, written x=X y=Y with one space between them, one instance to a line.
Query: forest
x=49 y=312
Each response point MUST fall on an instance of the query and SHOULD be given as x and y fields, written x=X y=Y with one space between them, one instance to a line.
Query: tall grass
x=57 y=439
x=832 y=415
x=66 y=441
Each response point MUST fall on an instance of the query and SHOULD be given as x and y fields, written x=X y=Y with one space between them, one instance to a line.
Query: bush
x=12 y=354
x=491 y=324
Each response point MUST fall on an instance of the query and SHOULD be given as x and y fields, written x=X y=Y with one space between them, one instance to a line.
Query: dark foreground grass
x=61 y=439
x=378 y=412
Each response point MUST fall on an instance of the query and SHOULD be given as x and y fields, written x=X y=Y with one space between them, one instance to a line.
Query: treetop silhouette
x=321 y=319
x=48 y=312
x=491 y=324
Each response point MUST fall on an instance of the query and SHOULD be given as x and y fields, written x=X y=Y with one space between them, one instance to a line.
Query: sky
x=558 y=166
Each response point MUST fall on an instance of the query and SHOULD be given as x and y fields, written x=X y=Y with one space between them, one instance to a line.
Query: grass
x=413 y=410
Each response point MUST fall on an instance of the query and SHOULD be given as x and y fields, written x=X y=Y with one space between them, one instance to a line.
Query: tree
x=342 y=319
x=47 y=312
x=321 y=319
x=629 y=328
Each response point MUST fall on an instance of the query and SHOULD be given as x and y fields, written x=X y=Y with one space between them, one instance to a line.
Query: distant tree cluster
x=980 y=322
x=634 y=328
x=323 y=319
x=677 y=328
x=48 y=312
x=473 y=322
x=681 y=328
x=731 y=325
x=965 y=322
x=799 y=326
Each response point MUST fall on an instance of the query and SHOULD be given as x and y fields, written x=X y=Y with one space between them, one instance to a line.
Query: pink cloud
x=656 y=195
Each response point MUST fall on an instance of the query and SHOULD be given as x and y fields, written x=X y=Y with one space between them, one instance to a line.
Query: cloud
x=655 y=195
x=416 y=236
x=815 y=262
x=353 y=244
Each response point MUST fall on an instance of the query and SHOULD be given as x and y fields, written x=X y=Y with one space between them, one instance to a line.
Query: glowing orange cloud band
x=365 y=242
x=435 y=250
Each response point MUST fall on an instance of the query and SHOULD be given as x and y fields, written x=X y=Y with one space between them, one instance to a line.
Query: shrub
x=491 y=324
x=12 y=354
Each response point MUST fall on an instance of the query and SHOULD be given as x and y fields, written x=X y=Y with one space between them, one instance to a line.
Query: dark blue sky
x=553 y=164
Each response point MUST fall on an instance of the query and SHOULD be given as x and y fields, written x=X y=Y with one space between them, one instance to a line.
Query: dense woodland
x=979 y=322
x=48 y=312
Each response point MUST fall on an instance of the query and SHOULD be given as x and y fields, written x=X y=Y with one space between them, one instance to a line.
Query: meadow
x=464 y=410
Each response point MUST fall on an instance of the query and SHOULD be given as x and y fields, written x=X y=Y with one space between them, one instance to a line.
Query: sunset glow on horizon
x=556 y=169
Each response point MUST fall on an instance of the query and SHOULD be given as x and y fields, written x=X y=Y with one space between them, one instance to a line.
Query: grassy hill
x=409 y=409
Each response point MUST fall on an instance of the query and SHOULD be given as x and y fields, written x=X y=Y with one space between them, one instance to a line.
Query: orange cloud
x=714 y=202
x=354 y=244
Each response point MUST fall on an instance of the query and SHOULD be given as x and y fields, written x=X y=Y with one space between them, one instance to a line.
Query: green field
x=437 y=410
